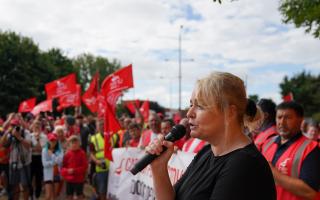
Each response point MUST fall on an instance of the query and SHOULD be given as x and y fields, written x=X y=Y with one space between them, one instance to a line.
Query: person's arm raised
x=159 y=167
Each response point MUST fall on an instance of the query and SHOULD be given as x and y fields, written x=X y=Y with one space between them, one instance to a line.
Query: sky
x=244 y=37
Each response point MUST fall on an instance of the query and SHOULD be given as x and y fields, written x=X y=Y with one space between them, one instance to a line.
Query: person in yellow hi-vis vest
x=102 y=164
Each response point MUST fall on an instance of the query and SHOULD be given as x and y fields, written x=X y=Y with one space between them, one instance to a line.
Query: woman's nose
x=191 y=113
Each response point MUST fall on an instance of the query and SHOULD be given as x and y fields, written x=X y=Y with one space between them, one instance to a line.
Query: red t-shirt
x=73 y=130
x=76 y=160
x=134 y=143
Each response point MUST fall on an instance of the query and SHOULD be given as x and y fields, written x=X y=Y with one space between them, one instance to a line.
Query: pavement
x=88 y=193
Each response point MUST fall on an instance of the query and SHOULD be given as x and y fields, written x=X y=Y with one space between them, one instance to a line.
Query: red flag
x=72 y=99
x=111 y=126
x=44 y=106
x=62 y=86
x=132 y=105
x=118 y=81
x=112 y=100
x=111 y=89
x=101 y=105
x=89 y=98
x=145 y=108
x=27 y=105
x=288 y=97
x=107 y=146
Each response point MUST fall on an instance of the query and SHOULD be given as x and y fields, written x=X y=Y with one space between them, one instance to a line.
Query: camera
x=103 y=165
x=17 y=128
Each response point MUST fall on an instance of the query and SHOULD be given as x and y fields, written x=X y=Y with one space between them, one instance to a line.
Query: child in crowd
x=74 y=168
x=52 y=156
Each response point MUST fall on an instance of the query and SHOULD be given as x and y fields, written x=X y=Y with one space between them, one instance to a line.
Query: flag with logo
x=111 y=89
x=118 y=81
x=72 y=99
x=62 y=86
x=90 y=96
x=27 y=105
x=44 y=106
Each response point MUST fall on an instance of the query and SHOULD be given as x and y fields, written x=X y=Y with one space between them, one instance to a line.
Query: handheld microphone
x=176 y=133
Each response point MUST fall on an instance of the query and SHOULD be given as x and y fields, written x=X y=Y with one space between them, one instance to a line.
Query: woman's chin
x=194 y=134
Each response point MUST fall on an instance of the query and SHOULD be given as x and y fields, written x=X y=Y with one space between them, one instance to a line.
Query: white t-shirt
x=42 y=139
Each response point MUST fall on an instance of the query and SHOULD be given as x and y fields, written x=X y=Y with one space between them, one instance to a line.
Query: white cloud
x=243 y=37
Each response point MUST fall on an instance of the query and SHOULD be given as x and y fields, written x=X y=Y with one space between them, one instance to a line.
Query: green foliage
x=254 y=97
x=25 y=69
x=87 y=65
x=19 y=66
x=306 y=90
x=302 y=13
x=54 y=65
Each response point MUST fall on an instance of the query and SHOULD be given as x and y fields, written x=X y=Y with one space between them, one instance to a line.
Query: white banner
x=122 y=185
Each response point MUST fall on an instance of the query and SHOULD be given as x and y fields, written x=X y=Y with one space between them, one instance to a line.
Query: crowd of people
x=57 y=156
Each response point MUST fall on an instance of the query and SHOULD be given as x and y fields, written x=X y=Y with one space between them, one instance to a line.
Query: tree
x=19 y=67
x=302 y=13
x=306 y=90
x=87 y=65
x=254 y=97
x=55 y=65
x=25 y=69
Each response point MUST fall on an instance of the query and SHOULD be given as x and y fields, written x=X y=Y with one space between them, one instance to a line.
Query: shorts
x=101 y=182
x=20 y=176
x=74 y=188
x=56 y=179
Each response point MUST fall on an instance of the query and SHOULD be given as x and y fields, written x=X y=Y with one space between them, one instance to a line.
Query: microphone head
x=177 y=132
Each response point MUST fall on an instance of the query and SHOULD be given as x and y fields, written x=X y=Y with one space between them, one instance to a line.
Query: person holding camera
x=18 y=140
x=101 y=164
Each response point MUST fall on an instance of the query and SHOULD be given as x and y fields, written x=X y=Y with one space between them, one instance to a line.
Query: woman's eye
x=200 y=107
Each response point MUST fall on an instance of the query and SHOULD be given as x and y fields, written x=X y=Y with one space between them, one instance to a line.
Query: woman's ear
x=232 y=113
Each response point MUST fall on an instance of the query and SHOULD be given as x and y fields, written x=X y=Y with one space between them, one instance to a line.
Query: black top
x=84 y=137
x=309 y=171
x=243 y=174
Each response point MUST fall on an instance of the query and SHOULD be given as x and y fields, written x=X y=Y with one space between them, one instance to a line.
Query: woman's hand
x=156 y=147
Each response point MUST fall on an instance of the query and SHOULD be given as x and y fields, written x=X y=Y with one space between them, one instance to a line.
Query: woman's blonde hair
x=58 y=128
x=222 y=89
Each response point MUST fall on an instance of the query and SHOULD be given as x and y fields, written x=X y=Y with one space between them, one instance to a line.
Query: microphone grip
x=145 y=161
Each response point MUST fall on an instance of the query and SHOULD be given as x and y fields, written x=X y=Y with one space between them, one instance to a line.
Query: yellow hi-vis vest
x=98 y=141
